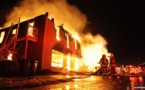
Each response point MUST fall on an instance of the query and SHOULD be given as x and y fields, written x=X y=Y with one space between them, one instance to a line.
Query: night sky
x=120 y=22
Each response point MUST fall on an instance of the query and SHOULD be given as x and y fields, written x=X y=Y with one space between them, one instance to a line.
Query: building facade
x=37 y=39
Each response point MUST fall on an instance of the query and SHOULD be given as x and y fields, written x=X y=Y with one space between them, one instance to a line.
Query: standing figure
x=104 y=64
x=112 y=64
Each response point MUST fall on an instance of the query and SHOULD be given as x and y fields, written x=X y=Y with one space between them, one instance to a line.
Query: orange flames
x=92 y=49
x=92 y=46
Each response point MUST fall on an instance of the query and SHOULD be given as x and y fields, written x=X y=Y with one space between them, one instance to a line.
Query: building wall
x=35 y=49
x=46 y=42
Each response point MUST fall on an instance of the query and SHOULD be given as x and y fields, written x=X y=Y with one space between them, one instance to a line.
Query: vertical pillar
x=26 y=47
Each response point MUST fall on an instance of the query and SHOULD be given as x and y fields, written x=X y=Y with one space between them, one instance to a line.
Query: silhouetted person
x=112 y=64
x=104 y=64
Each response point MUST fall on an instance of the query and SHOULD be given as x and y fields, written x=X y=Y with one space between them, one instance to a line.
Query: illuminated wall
x=57 y=59
x=39 y=40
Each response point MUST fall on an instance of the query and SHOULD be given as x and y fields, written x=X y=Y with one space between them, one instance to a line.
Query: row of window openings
x=30 y=32
x=67 y=39
x=2 y=34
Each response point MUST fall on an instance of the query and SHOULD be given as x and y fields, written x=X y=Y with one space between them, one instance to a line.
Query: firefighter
x=112 y=64
x=104 y=64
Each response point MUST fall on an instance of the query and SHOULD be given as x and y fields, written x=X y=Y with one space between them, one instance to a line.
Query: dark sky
x=120 y=22
x=5 y=9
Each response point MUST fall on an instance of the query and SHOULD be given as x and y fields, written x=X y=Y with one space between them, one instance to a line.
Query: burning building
x=37 y=39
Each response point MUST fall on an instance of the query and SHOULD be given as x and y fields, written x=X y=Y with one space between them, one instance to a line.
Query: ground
x=45 y=80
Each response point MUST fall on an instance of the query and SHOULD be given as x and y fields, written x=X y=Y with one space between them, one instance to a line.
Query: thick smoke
x=70 y=16
x=92 y=49
x=63 y=13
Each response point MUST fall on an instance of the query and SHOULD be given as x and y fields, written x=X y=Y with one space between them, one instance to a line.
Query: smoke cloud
x=60 y=10
x=70 y=16
x=93 y=47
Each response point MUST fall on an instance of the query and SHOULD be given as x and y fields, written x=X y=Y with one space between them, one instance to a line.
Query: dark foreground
x=73 y=82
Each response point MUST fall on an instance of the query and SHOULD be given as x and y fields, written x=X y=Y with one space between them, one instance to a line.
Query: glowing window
x=31 y=29
x=14 y=31
x=57 y=34
x=2 y=34
x=57 y=59
x=9 y=57
x=67 y=37
x=76 y=47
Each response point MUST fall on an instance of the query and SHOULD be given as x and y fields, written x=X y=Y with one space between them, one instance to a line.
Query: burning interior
x=53 y=46
x=37 y=39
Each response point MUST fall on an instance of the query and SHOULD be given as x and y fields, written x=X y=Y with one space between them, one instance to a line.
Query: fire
x=92 y=46
x=57 y=59
x=76 y=36
x=68 y=62
x=2 y=36
x=10 y=56
x=57 y=33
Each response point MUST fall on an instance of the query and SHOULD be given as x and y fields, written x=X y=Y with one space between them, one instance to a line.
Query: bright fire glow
x=76 y=64
x=68 y=62
x=32 y=24
x=2 y=34
x=57 y=33
x=77 y=37
x=92 y=46
x=57 y=59
x=30 y=29
x=67 y=38
x=14 y=31
x=92 y=49
x=9 y=57
x=75 y=44
x=67 y=87
x=140 y=79
x=50 y=18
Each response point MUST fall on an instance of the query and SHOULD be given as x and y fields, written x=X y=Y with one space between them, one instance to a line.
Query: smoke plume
x=60 y=10
x=70 y=16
